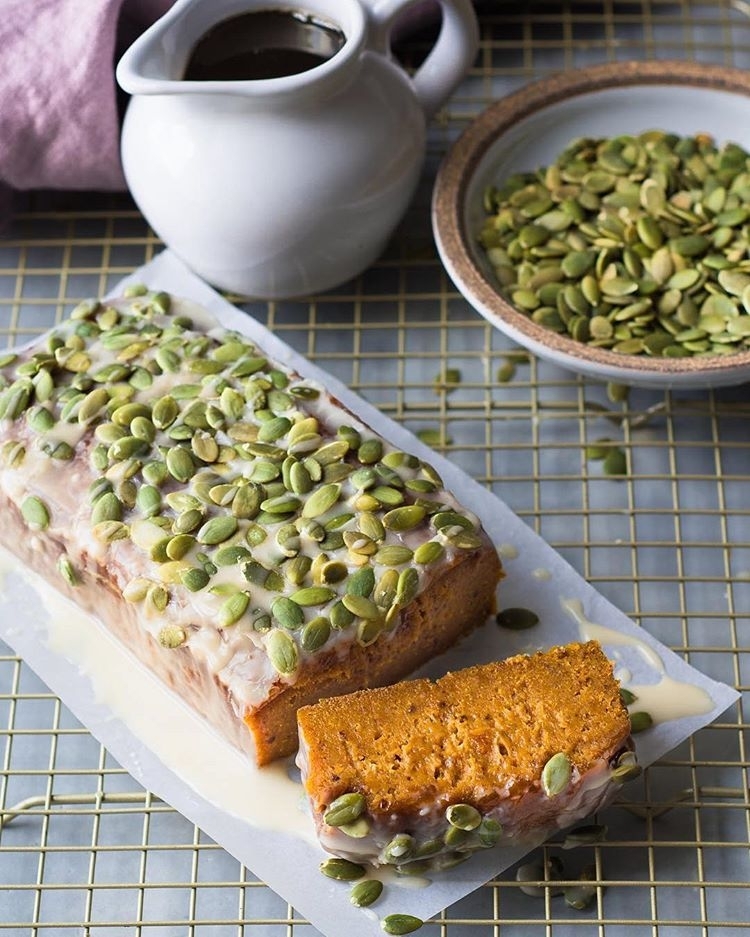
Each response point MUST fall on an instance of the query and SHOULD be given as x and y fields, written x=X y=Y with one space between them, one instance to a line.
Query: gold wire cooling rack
x=84 y=850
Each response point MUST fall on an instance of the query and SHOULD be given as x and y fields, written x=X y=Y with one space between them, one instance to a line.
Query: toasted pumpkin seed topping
x=220 y=470
x=636 y=244
x=556 y=774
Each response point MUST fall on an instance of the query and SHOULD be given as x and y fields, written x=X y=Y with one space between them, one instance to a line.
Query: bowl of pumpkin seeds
x=601 y=219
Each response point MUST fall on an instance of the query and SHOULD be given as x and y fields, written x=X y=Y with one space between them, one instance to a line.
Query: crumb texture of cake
x=245 y=536
x=503 y=752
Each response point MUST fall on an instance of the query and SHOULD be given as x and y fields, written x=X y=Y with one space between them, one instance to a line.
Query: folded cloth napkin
x=59 y=119
x=59 y=122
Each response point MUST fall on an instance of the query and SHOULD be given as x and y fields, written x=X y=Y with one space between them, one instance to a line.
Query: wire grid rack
x=85 y=850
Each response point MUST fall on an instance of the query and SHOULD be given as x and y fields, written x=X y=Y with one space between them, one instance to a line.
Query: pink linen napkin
x=59 y=117
x=59 y=124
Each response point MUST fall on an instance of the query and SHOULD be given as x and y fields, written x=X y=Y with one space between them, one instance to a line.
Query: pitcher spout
x=159 y=61
x=155 y=62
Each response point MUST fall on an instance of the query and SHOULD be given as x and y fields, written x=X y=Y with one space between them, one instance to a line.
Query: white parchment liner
x=289 y=864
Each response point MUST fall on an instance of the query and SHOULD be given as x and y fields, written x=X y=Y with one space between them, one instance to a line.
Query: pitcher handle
x=451 y=56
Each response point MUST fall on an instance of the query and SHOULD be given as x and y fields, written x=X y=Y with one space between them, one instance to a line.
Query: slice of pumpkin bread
x=505 y=752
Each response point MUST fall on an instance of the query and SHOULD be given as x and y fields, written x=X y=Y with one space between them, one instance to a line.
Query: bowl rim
x=465 y=155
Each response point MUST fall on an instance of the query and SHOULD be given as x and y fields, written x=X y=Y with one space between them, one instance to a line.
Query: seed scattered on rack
x=512 y=359
x=617 y=393
x=599 y=449
x=582 y=896
x=399 y=924
x=506 y=372
x=517 y=619
x=587 y=835
x=615 y=462
x=433 y=436
x=535 y=878
x=447 y=380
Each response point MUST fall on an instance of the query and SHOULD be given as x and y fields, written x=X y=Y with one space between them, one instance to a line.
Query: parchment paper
x=537 y=577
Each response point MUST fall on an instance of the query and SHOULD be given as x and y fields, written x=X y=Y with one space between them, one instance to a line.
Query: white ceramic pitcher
x=283 y=186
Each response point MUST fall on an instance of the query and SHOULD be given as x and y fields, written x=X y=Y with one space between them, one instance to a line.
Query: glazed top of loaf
x=244 y=510
x=474 y=736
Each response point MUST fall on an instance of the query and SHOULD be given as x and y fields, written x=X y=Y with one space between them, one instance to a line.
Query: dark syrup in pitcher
x=263 y=44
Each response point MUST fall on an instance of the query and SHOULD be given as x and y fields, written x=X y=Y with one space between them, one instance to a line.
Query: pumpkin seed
x=366 y=893
x=370 y=451
x=361 y=607
x=640 y=721
x=556 y=774
x=404 y=518
x=172 y=636
x=287 y=612
x=233 y=609
x=582 y=896
x=490 y=831
x=187 y=521
x=165 y=412
x=615 y=462
x=362 y=582
x=517 y=619
x=400 y=924
x=315 y=633
x=408 y=586
x=394 y=555
x=401 y=847
x=180 y=464
x=368 y=630
x=342 y=869
x=534 y=872
x=313 y=595
x=626 y=769
x=217 y=530
x=340 y=616
x=67 y=570
x=359 y=544
x=345 y=809
x=385 y=592
x=390 y=497
x=106 y=508
x=228 y=556
x=109 y=531
x=586 y=835
x=35 y=512
x=463 y=816
x=92 y=404
x=179 y=546
x=195 y=579
x=282 y=652
x=157 y=598
x=321 y=500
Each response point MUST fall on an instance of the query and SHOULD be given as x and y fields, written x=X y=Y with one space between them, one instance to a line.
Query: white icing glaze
x=665 y=699
x=266 y=797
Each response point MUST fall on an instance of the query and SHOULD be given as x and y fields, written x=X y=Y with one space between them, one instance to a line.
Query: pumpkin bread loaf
x=240 y=531
x=505 y=753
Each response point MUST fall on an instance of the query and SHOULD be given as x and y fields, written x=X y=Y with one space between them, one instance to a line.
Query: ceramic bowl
x=527 y=130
